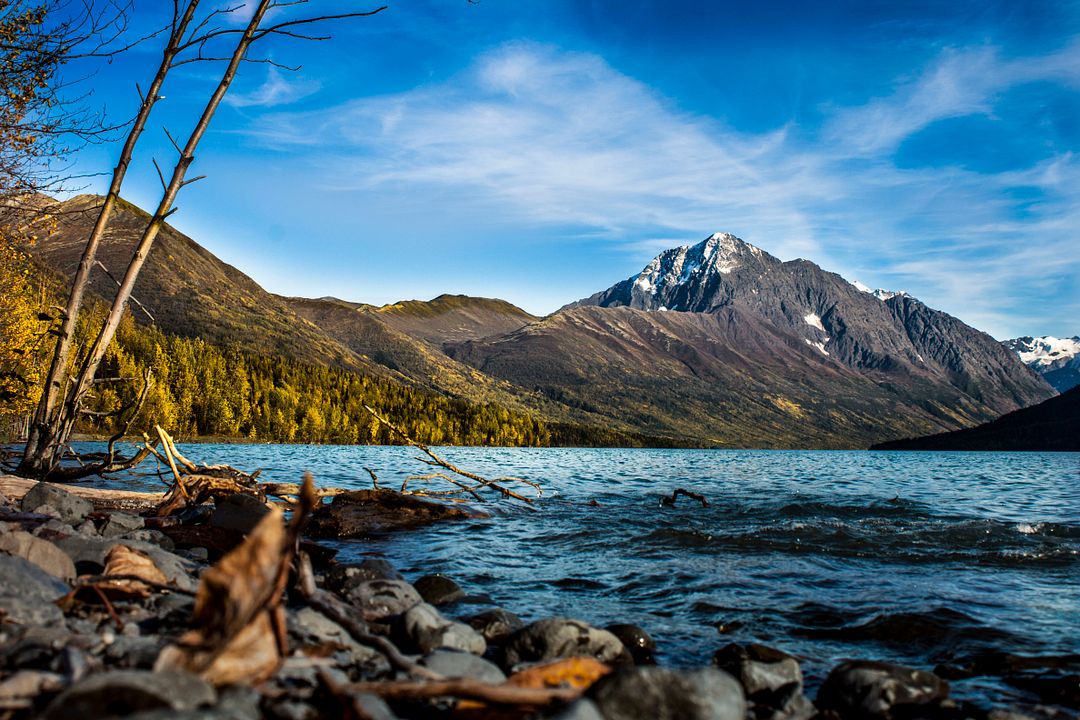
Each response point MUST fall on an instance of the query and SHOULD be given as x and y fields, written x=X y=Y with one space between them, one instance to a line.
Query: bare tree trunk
x=46 y=435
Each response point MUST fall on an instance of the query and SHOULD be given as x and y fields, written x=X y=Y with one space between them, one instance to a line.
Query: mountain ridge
x=728 y=346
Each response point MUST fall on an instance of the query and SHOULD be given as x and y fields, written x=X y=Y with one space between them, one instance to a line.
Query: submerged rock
x=867 y=689
x=372 y=512
x=654 y=693
x=556 y=638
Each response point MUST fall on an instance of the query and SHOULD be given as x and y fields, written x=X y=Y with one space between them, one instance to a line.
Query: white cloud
x=535 y=136
x=275 y=91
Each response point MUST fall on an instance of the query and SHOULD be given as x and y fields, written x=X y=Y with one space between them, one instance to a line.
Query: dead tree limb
x=670 y=501
x=435 y=460
x=466 y=689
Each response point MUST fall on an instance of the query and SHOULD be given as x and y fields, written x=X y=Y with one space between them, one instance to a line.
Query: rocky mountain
x=1057 y=360
x=1051 y=426
x=723 y=342
x=718 y=344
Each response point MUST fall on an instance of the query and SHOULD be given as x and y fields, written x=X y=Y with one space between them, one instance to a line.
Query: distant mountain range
x=1057 y=360
x=1051 y=426
x=715 y=344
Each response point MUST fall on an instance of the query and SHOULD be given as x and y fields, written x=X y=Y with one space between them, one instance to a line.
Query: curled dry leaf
x=127 y=561
x=239 y=624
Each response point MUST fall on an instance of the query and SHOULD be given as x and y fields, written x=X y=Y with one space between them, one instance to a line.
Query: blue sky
x=541 y=151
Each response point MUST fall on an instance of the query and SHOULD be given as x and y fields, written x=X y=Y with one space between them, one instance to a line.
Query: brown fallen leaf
x=132 y=563
x=239 y=624
x=573 y=674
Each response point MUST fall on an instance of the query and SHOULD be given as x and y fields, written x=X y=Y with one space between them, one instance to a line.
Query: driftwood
x=670 y=501
x=433 y=459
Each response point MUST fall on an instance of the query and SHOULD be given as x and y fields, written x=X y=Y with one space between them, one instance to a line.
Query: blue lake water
x=919 y=558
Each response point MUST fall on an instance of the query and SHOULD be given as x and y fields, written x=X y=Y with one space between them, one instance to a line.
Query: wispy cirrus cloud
x=537 y=136
x=276 y=90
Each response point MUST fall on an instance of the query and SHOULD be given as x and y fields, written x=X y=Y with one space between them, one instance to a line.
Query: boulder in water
x=867 y=689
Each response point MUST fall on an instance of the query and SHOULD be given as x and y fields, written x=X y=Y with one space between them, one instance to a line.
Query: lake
x=920 y=558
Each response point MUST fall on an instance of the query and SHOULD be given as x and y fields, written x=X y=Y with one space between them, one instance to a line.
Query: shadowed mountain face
x=716 y=344
x=1050 y=426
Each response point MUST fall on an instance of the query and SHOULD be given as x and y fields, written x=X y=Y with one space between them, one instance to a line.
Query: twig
x=670 y=501
x=374 y=478
x=466 y=688
x=92 y=580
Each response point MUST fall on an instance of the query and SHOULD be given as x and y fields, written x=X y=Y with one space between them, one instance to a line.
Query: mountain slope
x=453 y=318
x=186 y=289
x=1057 y=360
x=1050 y=426
x=727 y=344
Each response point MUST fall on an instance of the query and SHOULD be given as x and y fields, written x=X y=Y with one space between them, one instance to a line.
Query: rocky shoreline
x=85 y=623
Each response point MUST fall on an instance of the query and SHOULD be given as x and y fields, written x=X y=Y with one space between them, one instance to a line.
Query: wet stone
x=438 y=590
x=636 y=640
x=426 y=629
x=345 y=576
x=496 y=625
x=557 y=638
x=654 y=693
x=123 y=692
x=452 y=663
x=381 y=600
x=866 y=689
x=68 y=507
x=771 y=679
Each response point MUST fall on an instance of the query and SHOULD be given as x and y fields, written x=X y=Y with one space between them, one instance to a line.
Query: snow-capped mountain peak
x=1056 y=359
x=719 y=253
x=880 y=293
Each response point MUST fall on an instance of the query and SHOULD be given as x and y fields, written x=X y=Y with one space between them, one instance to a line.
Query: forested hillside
x=201 y=390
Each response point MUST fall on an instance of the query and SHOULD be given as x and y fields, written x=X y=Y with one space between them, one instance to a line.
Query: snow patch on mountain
x=1045 y=351
x=880 y=293
x=814 y=321
x=819 y=345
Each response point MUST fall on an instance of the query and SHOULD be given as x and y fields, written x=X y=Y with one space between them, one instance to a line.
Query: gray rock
x=88 y=528
x=452 y=663
x=636 y=640
x=121 y=524
x=345 y=576
x=654 y=693
x=426 y=629
x=380 y=600
x=308 y=627
x=496 y=625
x=373 y=707
x=123 y=692
x=69 y=507
x=42 y=553
x=557 y=638
x=866 y=689
x=28 y=593
x=767 y=675
x=583 y=709
x=134 y=653
x=83 y=549
x=240 y=512
x=153 y=537
x=438 y=590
